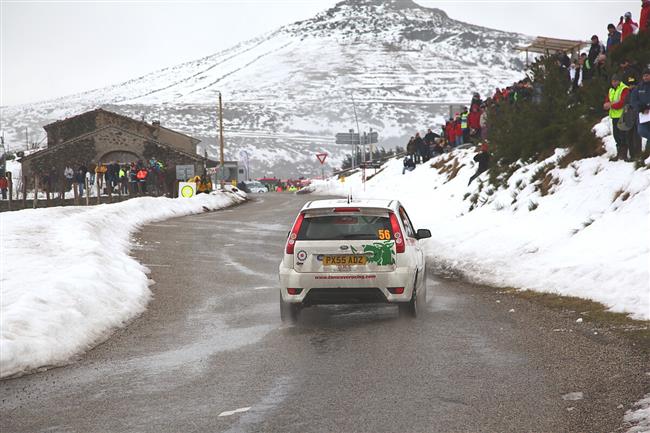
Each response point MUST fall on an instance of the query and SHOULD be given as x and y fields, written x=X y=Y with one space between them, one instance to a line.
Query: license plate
x=344 y=260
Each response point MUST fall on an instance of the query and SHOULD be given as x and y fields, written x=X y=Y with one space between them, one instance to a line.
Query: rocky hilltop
x=286 y=93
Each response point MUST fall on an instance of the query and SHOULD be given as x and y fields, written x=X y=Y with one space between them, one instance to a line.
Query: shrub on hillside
x=532 y=129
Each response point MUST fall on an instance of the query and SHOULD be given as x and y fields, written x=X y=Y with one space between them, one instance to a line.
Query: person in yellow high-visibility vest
x=464 y=125
x=616 y=98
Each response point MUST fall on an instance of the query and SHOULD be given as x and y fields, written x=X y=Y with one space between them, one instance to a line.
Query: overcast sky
x=56 y=48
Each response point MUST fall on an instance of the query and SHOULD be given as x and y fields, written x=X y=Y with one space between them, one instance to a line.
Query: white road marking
x=573 y=396
x=263 y=288
x=229 y=245
x=232 y=412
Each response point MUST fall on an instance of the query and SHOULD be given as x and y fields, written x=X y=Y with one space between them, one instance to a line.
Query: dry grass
x=548 y=183
x=617 y=194
x=441 y=162
x=595 y=313
x=453 y=171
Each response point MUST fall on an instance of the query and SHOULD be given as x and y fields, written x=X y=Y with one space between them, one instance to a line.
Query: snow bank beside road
x=67 y=279
x=588 y=236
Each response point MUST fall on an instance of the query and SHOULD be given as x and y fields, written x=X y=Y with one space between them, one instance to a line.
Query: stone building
x=101 y=136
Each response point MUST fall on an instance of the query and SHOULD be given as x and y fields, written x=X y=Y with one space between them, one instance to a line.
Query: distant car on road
x=254 y=186
x=342 y=252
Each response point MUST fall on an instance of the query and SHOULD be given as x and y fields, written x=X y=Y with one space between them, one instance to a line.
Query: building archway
x=120 y=156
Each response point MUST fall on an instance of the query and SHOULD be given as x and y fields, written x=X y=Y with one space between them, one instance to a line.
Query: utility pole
x=356 y=119
x=221 y=159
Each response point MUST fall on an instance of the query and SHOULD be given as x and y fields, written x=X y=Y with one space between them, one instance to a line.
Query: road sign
x=186 y=189
x=184 y=172
x=347 y=138
x=321 y=157
x=371 y=138
x=354 y=138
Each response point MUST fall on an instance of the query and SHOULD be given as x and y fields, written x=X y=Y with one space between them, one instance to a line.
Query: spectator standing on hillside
x=576 y=75
x=629 y=72
x=483 y=159
x=474 y=120
x=613 y=38
x=596 y=49
x=4 y=184
x=464 y=125
x=644 y=18
x=410 y=148
x=631 y=76
x=458 y=132
x=420 y=151
x=640 y=100
x=450 y=132
x=626 y=26
x=430 y=141
x=476 y=100
x=483 y=121
x=615 y=102
x=564 y=59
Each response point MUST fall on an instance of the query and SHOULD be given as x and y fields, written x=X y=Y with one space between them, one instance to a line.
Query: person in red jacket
x=450 y=132
x=3 y=187
x=626 y=26
x=644 y=18
x=458 y=131
x=474 y=120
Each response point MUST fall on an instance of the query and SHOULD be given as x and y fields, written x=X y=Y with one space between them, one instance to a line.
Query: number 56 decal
x=384 y=235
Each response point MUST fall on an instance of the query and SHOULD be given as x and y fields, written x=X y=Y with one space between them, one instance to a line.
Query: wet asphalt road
x=211 y=342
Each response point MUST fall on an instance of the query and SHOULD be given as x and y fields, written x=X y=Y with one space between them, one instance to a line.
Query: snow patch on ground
x=67 y=279
x=589 y=236
x=639 y=417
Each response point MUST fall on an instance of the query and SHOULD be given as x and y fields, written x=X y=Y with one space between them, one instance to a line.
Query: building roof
x=543 y=44
x=112 y=113
x=54 y=148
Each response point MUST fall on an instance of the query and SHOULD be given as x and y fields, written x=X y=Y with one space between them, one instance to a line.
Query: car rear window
x=341 y=227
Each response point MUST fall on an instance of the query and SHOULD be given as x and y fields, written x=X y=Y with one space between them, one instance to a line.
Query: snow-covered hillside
x=584 y=232
x=287 y=93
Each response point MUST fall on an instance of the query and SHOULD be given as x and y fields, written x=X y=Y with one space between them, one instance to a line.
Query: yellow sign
x=186 y=189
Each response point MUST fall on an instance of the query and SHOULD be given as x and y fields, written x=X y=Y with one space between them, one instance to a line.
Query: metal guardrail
x=375 y=165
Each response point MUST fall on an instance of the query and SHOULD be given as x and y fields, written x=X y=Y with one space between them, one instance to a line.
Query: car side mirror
x=423 y=234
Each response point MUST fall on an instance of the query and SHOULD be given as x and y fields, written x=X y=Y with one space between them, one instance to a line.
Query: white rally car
x=346 y=251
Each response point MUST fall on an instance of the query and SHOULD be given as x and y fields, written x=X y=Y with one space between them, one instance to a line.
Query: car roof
x=362 y=203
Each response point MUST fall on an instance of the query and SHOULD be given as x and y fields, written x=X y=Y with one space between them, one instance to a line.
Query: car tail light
x=396 y=290
x=293 y=235
x=293 y=291
x=397 y=234
x=347 y=209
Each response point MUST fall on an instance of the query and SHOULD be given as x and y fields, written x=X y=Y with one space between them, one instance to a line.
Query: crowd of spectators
x=134 y=178
x=629 y=97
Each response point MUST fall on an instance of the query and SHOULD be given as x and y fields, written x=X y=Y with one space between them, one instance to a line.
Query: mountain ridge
x=288 y=91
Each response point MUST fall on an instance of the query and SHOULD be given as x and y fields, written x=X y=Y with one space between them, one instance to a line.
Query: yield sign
x=321 y=157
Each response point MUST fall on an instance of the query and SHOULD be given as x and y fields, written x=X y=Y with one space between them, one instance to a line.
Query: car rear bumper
x=346 y=288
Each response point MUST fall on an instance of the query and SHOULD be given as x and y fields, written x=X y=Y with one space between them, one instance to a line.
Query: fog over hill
x=286 y=93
